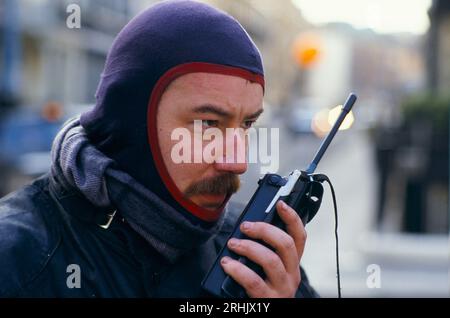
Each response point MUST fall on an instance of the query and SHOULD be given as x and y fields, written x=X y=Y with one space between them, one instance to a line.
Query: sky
x=383 y=16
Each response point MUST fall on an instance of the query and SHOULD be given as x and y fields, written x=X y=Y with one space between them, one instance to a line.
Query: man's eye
x=210 y=123
x=248 y=123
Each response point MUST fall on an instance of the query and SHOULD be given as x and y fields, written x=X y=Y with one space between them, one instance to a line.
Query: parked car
x=26 y=137
x=300 y=115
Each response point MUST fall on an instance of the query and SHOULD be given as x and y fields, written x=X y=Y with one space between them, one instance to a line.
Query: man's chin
x=212 y=208
x=211 y=202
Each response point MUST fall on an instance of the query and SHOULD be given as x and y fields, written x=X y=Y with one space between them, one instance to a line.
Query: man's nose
x=236 y=168
x=234 y=157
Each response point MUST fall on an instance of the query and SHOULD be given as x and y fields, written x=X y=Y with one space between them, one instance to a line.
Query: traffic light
x=306 y=49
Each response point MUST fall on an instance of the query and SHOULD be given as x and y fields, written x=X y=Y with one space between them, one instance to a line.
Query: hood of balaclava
x=168 y=40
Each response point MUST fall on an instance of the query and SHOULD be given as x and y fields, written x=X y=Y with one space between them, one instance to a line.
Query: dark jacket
x=47 y=235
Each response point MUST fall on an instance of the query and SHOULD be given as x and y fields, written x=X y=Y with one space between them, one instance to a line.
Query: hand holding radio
x=280 y=262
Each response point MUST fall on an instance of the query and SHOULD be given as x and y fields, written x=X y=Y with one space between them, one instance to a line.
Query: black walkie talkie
x=300 y=190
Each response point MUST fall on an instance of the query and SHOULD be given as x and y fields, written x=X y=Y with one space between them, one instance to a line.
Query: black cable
x=321 y=178
x=338 y=275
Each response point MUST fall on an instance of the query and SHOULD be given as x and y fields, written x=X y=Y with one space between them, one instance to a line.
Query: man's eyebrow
x=212 y=109
x=255 y=114
x=219 y=111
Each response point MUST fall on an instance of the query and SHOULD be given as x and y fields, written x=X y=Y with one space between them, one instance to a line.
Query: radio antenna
x=326 y=142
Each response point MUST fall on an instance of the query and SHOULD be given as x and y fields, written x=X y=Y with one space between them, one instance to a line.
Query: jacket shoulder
x=26 y=239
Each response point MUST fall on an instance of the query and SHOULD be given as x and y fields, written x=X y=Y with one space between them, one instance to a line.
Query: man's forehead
x=212 y=81
x=226 y=90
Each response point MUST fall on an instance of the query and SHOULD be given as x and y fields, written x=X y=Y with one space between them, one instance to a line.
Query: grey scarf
x=85 y=168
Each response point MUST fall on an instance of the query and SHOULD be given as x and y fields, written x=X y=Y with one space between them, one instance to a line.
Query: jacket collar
x=75 y=204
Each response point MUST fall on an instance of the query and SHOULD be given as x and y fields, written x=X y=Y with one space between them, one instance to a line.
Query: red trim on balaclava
x=163 y=82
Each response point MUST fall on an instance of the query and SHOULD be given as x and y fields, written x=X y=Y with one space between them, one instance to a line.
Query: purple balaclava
x=170 y=39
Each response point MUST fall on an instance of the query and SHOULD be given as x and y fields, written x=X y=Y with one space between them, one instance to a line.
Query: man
x=116 y=216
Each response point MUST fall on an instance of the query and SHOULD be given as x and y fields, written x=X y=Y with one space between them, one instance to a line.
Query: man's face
x=221 y=102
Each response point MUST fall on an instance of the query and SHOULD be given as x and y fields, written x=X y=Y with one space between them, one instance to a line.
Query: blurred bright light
x=334 y=114
x=325 y=119
x=320 y=125
x=306 y=49
x=384 y=16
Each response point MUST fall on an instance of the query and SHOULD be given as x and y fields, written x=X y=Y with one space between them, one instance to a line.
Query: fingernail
x=233 y=242
x=246 y=226
x=284 y=205
x=224 y=260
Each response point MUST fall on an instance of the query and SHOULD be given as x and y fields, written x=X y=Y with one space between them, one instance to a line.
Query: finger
x=283 y=244
x=253 y=284
x=294 y=226
x=263 y=256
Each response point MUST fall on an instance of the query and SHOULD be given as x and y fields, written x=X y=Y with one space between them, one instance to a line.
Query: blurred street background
x=390 y=167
